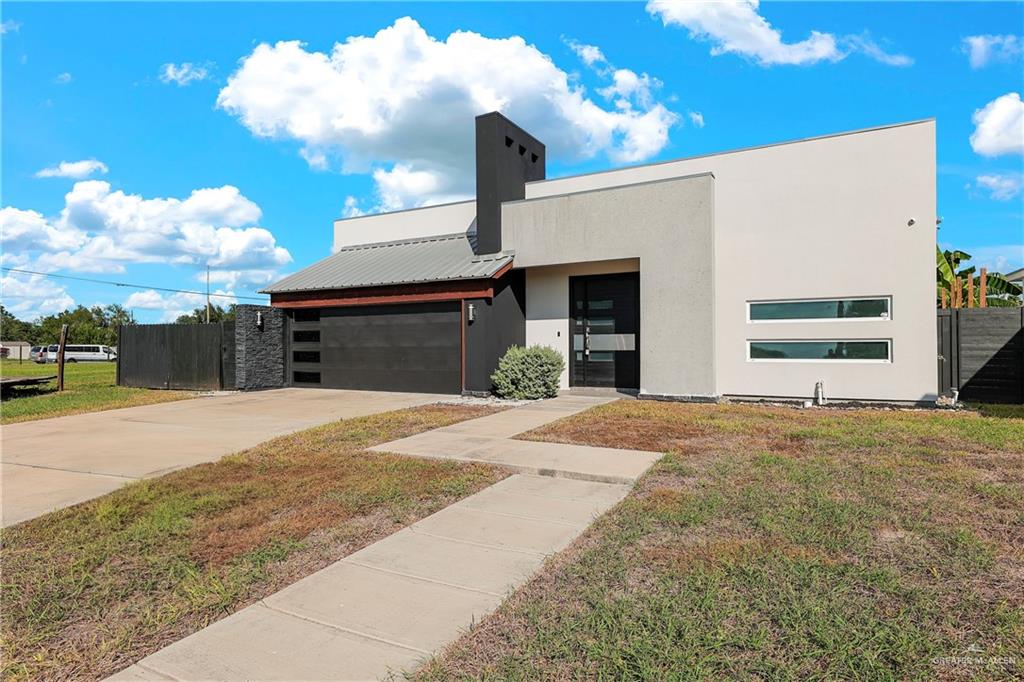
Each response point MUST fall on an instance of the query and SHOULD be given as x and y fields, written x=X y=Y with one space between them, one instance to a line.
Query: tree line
x=98 y=324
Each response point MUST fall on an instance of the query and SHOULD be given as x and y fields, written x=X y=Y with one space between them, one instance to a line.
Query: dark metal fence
x=981 y=354
x=177 y=356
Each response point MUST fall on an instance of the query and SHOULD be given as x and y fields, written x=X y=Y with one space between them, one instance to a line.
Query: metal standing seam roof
x=427 y=259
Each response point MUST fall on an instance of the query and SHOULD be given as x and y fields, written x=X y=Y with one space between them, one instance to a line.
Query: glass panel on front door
x=605 y=331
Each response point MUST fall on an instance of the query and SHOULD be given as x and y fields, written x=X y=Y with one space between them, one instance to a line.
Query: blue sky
x=191 y=136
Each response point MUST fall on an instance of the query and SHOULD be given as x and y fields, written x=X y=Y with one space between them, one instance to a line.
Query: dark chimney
x=507 y=157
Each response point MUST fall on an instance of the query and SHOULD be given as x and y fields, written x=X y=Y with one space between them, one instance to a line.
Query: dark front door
x=605 y=321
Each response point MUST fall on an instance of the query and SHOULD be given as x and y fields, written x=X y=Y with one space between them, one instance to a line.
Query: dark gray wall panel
x=500 y=323
x=981 y=353
x=991 y=357
x=175 y=356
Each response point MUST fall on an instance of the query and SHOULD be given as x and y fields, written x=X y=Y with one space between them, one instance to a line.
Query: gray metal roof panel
x=428 y=259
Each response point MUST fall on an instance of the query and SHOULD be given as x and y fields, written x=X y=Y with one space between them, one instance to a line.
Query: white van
x=82 y=353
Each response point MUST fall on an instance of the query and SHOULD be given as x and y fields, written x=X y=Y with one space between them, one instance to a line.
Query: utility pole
x=207 y=293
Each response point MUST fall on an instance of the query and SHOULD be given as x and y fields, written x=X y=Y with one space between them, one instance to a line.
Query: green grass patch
x=90 y=589
x=781 y=544
x=88 y=387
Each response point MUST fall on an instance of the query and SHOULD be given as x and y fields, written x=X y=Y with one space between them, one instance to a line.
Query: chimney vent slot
x=533 y=158
x=522 y=150
x=508 y=141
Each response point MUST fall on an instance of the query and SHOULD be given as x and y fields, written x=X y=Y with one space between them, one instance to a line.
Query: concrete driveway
x=54 y=463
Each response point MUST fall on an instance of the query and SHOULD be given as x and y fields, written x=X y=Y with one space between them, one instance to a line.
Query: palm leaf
x=944 y=269
x=996 y=302
x=997 y=284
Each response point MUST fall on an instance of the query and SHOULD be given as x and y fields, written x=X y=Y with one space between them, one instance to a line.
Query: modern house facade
x=760 y=272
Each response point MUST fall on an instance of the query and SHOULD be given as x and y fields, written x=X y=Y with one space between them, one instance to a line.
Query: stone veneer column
x=259 y=353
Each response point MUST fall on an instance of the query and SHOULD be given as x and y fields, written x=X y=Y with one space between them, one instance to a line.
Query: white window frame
x=832 y=361
x=817 y=320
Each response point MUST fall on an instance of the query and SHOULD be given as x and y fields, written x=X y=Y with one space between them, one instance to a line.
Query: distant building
x=16 y=350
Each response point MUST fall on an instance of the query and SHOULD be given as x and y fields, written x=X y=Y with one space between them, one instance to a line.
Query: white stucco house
x=758 y=272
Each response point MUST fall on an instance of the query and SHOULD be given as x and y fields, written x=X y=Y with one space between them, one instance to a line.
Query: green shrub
x=528 y=373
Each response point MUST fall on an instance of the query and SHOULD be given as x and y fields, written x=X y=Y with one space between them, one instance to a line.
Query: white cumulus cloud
x=999 y=126
x=63 y=78
x=1000 y=186
x=32 y=296
x=400 y=104
x=174 y=305
x=588 y=54
x=982 y=50
x=9 y=26
x=102 y=230
x=31 y=231
x=351 y=208
x=736 y=26
x=696 y=118
x=74 y=169
x=184 y=73
x=147 y=300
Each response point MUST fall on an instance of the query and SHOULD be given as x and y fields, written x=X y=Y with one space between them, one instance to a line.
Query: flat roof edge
x=738 y=150
x=612 y=188
x=404 y=210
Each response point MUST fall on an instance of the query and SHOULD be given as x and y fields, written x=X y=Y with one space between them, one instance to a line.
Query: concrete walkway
x=489 y=439
x=389 y=606
x=54 y=463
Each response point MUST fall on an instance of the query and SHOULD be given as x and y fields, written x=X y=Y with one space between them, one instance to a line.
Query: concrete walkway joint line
x=388 y=606
x=338 y=627
x=349 y=560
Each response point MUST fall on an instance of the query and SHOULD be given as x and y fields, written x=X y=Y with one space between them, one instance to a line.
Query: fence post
x=983 y=289
x=60 y=357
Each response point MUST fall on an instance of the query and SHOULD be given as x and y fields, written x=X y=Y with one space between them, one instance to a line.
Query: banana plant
x=999 y=292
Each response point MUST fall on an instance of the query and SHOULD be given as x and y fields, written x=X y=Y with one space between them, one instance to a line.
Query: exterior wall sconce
x=471 y=312
x=259 y=320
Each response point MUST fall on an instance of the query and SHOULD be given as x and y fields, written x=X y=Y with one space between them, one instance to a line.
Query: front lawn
x=780 y=544
x=88 y=387
x=91 y=589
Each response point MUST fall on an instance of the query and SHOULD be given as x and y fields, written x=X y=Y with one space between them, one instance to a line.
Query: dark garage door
x=415 y=347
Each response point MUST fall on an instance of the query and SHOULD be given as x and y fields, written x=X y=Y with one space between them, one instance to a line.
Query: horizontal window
x=306 y=377
x=821 y=309
x=305 y=356
x=306 y=336
x=307 y=315
x=813 y=351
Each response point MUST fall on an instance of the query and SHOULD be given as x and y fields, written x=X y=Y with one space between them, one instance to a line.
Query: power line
x=126 y=284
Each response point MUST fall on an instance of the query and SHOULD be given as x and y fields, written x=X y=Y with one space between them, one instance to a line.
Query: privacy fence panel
x=981 y=353
x=176 y=356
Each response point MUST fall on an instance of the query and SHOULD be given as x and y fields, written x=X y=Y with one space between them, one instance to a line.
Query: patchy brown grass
x=776 y=543
x=91 y=589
